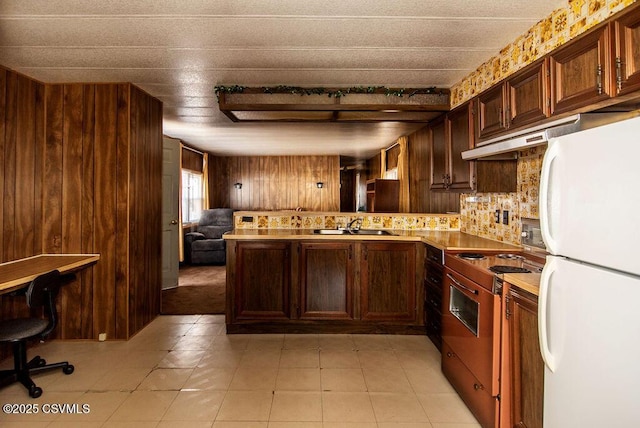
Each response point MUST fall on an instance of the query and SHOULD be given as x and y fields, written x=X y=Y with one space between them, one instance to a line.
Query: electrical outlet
x=505 y=217
x=497 y=216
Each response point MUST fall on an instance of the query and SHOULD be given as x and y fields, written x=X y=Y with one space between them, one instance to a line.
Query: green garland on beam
x=337 y=93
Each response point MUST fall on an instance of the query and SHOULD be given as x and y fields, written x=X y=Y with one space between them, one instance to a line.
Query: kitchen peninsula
x=282 y=276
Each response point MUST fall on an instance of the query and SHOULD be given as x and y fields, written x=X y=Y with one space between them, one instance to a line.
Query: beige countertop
x=527 y=281
x=445 y=240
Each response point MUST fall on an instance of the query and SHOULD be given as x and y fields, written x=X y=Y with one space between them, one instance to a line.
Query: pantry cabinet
x=522 y=379
x=627 y=51
x=326 y=280
x=581 y=71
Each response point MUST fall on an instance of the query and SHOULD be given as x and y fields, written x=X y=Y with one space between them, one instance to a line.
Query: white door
x=170 y=206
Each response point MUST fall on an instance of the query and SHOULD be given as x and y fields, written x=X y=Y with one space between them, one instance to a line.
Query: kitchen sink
x=352 y=232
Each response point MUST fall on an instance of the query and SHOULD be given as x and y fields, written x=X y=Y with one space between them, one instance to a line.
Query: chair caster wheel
x=35 y=391
x=68 y=369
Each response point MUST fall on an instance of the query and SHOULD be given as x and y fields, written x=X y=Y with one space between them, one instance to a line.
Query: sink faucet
x=358 y=223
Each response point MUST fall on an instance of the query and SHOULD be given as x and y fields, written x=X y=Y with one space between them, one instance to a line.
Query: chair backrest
x=216 y=221
x=42 y=292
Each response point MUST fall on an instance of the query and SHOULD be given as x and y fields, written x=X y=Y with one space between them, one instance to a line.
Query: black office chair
x=41 y=292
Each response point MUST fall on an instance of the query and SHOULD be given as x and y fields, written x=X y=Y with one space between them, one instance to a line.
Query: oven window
x=464 y=308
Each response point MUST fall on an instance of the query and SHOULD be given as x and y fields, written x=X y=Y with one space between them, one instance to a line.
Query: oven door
x=471 y=327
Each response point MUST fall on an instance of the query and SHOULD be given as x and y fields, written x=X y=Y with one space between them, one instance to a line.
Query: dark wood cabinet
x=581 y=71
x=520 y=100
x=383 y=196
x=324 y=286
x=262 y=280
x=434 y=267
x=460 y=131
x=449 y=137
x=438 y=151
x=522 y=379
x=326 y=280
x=527 y=95
x=388 y=285
x=627 y=51
x=490 y=112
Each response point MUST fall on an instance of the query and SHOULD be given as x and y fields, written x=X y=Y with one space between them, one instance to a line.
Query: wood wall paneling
x=191 y=160
x=275 y=182
x=419 y=174
x=80 y=171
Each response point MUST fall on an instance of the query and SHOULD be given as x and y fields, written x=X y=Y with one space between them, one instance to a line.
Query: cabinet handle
x=599 y=79
x=449 y=354
x=464 y=287
x=619 y=73
x=477 y=387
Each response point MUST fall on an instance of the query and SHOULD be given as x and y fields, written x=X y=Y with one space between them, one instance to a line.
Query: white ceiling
x=178 y=50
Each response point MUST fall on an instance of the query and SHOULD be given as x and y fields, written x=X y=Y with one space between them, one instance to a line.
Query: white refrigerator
x=589 y=303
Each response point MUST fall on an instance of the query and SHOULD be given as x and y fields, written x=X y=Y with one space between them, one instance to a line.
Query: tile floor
x=184 y=371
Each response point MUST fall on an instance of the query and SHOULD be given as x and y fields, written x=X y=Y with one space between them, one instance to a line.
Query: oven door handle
x=464 y=287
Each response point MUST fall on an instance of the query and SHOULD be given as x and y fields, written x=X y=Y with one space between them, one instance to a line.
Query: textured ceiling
x=178 y=50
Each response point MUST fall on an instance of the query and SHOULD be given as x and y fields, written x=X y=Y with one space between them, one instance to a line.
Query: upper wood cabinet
x=520 y=100
x=438 y=151
x=460 y=131
x=581 y=71
x=627 y=52
x=527 y=95
x=449 y=137
x=490 y=112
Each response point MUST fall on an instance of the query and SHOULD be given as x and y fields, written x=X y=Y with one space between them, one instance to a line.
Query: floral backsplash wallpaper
x=478 y=211
x=556 y=29
x=315 y=220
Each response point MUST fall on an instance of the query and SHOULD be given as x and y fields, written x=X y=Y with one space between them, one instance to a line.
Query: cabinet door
x=581 y=72
x=527 y=367
x=490 y=112
x=326 y=280
x=263 y=280
x=388 y=283
x=528 y=95
x=438 y=150
x=627 y=62
x=460 y=131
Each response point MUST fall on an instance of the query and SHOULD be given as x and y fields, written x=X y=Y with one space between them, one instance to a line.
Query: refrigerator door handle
x=545 y=207
x=543 y=305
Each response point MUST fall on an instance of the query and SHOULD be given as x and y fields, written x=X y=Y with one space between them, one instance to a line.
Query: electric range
x=484 y=267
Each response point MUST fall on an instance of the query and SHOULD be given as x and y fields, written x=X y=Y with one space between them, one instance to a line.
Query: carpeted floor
x=201 y=290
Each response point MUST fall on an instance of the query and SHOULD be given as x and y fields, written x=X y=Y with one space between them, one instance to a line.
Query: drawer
x=479 y=400
x=435 y=255
x=433 y=276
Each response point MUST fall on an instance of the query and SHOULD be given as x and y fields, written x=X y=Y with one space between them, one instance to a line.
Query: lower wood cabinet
x=522 y=377
x=262 y=280
x=388 y=281
x=345 y=286
x=326 y=280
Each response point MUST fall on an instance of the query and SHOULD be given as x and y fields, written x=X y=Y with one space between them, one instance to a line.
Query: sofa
x=205 y=245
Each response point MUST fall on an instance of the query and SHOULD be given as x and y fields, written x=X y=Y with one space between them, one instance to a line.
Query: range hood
x=506 y=146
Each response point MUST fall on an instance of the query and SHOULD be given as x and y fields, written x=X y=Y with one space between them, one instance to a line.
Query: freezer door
x=589 y=201
x=589 y=325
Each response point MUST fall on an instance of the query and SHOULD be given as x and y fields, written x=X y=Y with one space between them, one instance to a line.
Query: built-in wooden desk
x=18 y=273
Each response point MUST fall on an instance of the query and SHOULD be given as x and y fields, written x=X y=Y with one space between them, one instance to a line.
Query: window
x=191 y=196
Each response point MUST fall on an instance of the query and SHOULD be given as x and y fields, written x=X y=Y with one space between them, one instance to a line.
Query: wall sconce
x=319 y=184
x=238 y=185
